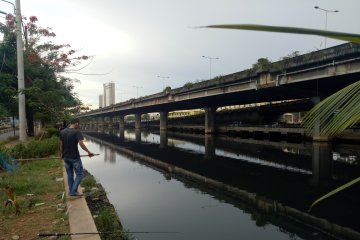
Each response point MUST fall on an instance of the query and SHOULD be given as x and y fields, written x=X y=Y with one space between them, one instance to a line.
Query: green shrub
x=34 y=148
x=53 y=132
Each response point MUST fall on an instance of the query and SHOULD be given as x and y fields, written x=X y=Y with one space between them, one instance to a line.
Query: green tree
x=49 y=96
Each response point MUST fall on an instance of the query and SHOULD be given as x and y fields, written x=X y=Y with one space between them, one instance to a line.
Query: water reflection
x=322 y=167
x=294 y=175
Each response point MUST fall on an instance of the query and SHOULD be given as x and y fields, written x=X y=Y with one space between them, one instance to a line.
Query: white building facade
x=109 y=94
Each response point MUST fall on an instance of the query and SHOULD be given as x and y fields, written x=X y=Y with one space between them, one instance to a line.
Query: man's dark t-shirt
x=70 y=138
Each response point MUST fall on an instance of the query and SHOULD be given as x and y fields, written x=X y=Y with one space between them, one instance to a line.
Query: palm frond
x=351 y=37
x=335 y=113
x=333 y=192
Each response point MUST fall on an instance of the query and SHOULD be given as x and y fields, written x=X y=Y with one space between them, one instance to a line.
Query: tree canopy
x=49 y=95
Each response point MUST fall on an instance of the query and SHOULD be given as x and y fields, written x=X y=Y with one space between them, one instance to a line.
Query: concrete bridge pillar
x=163 y=121
x=100 y=122
x=111 y=121
x=121 y=122
x=210 y=120
x=138 y=121
x=316 y=134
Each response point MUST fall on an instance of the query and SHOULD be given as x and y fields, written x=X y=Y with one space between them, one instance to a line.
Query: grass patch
x=39 y=196
x=34 y=196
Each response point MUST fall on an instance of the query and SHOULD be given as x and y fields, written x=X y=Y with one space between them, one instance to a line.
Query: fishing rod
x=99 y=233
x=46 y=158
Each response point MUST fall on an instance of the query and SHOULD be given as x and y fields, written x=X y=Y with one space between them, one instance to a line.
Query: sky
x=135 y=41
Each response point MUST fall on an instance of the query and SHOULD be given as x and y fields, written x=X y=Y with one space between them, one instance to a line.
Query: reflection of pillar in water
x=109 y=155
x=322 y=161
x=163 y=139
x=138 y=135
x=209 y=146
x=122 y=134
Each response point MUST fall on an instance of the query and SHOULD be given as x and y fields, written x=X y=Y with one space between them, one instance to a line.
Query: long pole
x=20 y=68
x=210 y=59
x=326 y=17
x=163 y=80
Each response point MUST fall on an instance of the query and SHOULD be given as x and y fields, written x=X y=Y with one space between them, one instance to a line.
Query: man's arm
x=82 y=145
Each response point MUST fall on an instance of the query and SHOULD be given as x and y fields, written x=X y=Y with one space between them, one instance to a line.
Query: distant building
x=109 y=94
x=101 y=101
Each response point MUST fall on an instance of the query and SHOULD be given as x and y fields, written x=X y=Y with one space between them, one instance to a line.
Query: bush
x=53 y=132
x=34 y=148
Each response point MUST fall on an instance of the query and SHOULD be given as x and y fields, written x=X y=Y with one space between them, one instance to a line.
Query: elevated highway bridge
x=314 y=75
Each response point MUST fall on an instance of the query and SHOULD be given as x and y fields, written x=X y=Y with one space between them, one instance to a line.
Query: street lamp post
x=210 y=60
x=137 y=90
x=20 y=70
x=163 y=78
x=326 y=13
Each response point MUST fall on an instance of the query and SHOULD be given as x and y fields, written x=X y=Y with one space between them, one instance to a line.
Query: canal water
x=151 y=199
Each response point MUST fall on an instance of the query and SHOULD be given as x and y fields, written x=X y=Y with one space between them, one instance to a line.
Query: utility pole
x=20 y=66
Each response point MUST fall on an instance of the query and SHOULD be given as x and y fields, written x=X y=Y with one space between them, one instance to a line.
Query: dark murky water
x=149 y=199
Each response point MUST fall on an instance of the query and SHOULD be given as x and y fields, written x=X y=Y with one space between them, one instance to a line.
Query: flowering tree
x=49 y=96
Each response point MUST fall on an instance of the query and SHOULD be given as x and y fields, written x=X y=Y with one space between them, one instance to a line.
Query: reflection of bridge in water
x=251 y=182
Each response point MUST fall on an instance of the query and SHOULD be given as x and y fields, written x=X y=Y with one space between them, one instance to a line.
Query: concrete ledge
x=80 y=218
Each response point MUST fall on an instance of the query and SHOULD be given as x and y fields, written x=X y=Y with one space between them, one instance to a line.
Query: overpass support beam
x=316 y=135
x=210 y=120
x=138 y=121
x=111 y=121
x=101 y=122
x=163 y=121
x=121 y=122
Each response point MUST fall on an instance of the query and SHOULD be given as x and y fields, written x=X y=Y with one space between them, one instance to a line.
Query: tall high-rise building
x=101 y=101
x=109 y=94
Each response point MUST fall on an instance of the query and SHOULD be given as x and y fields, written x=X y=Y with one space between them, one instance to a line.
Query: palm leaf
x=335 y=113
x=351 y=37
x=342 y=187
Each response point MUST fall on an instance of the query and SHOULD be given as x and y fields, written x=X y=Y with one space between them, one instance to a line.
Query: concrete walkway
x=5 y=134
x=80 y=218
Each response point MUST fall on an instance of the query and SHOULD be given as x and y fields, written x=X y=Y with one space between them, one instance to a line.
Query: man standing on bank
x=70 y=137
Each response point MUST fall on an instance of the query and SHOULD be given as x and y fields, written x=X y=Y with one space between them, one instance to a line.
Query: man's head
x=75 y=122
